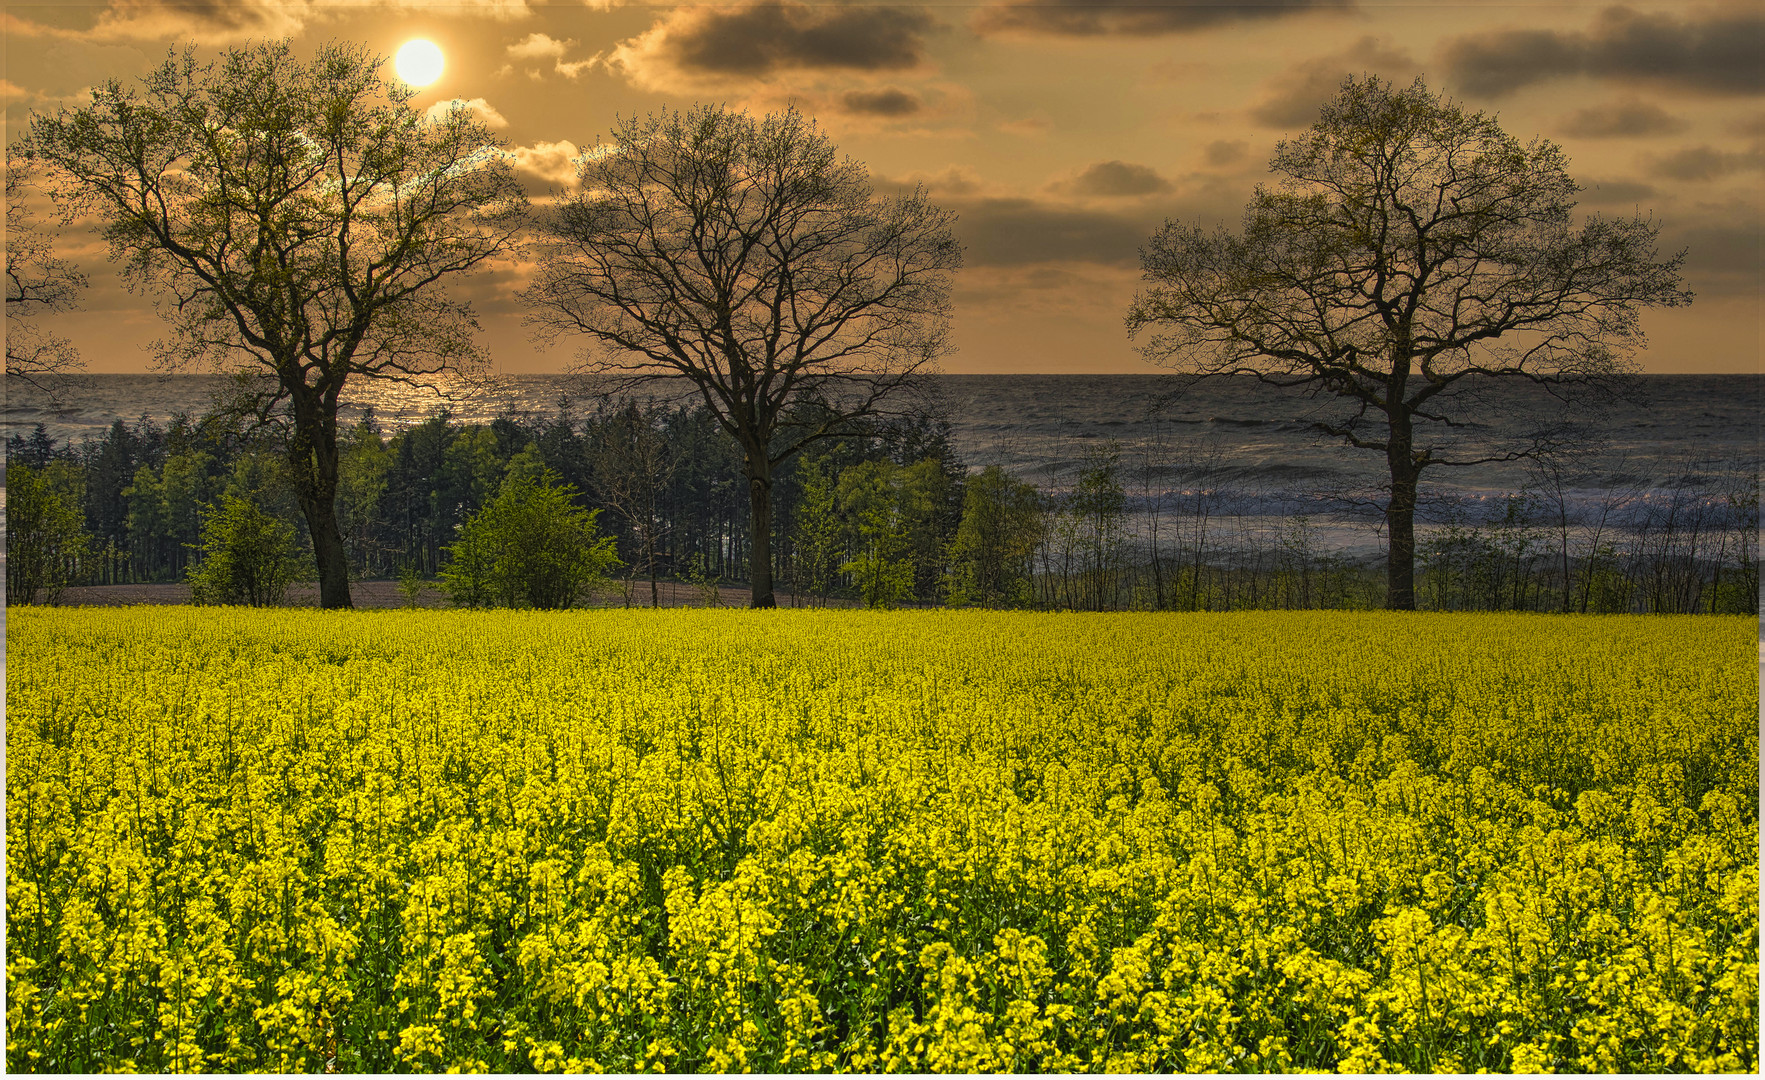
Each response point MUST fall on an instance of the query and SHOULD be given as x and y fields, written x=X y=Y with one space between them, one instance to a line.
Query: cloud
x=694 y=45
x=153 y=20
x=1714 y=53
x=1090 y=18
x=553 y=162
x=1622 y=120
x=1704 y=163
x=1115 y=179
x=1018 y=231
x=1611 y=192
x=1223 y=152
x=539 y=45
x=957 y=180
x=1723 y=248
x=222 y=22
x=485 y=110
x=1292 y=99
x=889 y=102
x=1753 y=125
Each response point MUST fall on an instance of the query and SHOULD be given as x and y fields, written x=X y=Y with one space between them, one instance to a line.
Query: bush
x=45 y=537
x=248 y=556
x=531 y=547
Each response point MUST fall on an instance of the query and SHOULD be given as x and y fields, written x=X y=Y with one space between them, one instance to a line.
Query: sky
x=1062 y=133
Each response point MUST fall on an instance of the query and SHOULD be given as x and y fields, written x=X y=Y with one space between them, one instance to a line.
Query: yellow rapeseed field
x=925 y=841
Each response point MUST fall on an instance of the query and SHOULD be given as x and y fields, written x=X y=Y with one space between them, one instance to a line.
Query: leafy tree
x=991 y=556
x=110 y=467
x=45 y=536
x=820 y=528
x=248 y=556
x=37 y=284
x=36 y=451
x=1410 y=252
x=881 y=506
x=745 y=257
x=165 y=510
x=364 y=463
x=531 y=547
x=301 y=219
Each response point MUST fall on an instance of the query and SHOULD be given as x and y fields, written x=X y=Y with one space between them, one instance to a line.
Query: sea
x=1256 y=449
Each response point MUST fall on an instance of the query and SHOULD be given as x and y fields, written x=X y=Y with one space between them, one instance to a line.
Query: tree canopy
x=300 y=219
x=1409 y=247
x=37 y=284
x=745 y=257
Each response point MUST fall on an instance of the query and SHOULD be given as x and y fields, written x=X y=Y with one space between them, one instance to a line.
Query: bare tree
x=37 y=284
x=1409 y=252
x=632 y=462
x=747 y=258
x=301 y=219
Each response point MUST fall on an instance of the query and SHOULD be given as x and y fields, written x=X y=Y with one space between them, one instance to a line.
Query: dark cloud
x=1116 y=178
x=1722 y=251
x=1292 y=99
x=956 y=181
x=760 y=39
x=1714 y=53
x=1226 y=151
x=1622 y=119
x=1089 y=18
x=1752 y=125
x=217 y=22
x=1704 y=163
x=232 y=16
x=891 y=102
x=1013 y=232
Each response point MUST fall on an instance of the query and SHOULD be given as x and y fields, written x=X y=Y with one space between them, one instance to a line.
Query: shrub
x=45 y=537
x=531 y=547
x=248 y=556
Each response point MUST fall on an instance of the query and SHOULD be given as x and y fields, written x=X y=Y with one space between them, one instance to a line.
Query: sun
x=419 y=62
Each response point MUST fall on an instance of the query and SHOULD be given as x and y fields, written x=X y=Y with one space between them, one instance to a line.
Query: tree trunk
x=1400 y=526
x=649 y=558
x=328 y=552
x=760 y=552
x=312 y=457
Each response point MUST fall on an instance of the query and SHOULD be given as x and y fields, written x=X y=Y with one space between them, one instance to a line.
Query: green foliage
x=45 y=536
x=990 y=559
x=531 y=547
x=363 y=467
x=248 y=556
x=880 y=506
x=411 y=584
x=704 y=583
x=819 y=527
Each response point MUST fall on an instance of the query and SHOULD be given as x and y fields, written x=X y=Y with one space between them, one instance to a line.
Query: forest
x=885 y=515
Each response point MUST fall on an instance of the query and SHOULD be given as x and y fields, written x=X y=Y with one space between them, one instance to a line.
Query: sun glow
x=419 y=62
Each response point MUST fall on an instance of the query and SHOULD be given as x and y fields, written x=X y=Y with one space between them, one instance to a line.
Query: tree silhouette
x=301 y=219
x=745 y=257
x=1410 y=249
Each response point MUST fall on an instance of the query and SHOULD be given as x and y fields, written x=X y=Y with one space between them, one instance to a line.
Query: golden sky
x=1062 y=133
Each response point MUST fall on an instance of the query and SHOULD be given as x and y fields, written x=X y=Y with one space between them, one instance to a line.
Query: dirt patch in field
x=386 y=594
